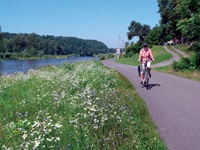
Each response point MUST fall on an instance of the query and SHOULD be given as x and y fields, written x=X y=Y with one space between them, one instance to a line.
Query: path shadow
x=153 y=85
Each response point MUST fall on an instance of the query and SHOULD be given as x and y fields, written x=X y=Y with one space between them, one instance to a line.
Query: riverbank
x=37 y=57
x=15 y=66
x=74 y=106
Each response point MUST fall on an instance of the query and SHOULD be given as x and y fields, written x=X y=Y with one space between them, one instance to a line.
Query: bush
x=1 y=55
x=104 y=56
x=133 y=49
x=7 y=55
x=185 y=63
x=197 y=60
x=126 y=55
x=16 y=55
x=111 y=55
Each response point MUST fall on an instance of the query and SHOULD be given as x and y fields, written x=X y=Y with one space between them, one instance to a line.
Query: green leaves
x=137 y=29
x=189 y=24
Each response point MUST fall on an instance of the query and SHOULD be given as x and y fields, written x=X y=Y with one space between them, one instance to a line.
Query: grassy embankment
x=82 y=105
x=161 y=55
x=190 y=74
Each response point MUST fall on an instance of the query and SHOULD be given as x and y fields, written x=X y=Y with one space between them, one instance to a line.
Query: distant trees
x=1 y=41
x=28 y=45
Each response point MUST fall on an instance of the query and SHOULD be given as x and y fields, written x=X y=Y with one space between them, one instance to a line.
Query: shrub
x=7 y=55
x=133 y=49
x=1 y=55
x=197 y=60
x=111 y=55
x=186 y=63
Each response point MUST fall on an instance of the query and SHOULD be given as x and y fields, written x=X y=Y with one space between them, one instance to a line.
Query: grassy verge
x=159 y=54
x=171 y=49
x=183 y=48
x=189 y=74
x=82 y=105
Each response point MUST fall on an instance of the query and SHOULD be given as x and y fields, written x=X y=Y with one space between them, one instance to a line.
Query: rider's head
x=145 y=45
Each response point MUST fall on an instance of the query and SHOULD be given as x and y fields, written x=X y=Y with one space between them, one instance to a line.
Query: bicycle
x=146 y=75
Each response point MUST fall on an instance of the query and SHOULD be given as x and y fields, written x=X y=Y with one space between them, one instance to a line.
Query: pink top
x=145 y=55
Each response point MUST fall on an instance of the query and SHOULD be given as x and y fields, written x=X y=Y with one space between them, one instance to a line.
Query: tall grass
x=83 y=105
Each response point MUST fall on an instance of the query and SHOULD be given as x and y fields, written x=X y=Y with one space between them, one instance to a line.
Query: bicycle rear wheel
x=146 y=80
x=147 y=85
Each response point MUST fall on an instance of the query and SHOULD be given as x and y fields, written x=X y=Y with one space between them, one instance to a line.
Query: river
x=14 y=66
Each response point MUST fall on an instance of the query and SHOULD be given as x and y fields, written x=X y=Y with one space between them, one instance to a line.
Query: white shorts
x=143 y=66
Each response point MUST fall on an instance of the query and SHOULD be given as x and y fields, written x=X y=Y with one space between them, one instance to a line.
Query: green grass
x=171 y=49
x=189 y=74
x=159 y=54
x=184 y=48
x=82 y=105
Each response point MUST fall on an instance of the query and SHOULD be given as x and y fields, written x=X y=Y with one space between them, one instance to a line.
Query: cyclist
x=145 y=55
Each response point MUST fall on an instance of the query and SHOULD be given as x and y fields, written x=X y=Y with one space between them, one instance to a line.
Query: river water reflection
x=14 y=66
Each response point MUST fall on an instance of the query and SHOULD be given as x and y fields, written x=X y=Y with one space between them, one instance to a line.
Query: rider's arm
x=151 y=54
x=140 y=56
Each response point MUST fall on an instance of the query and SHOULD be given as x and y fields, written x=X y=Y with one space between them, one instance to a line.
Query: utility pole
x=119 y=41
x=122 y=45
x=118 y=49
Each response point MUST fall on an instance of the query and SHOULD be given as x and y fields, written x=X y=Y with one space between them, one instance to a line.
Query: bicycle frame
x=146 y=76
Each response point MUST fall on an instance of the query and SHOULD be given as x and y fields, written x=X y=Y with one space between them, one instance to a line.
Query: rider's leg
x=141 y=77
x=149 y=72
x=149 y=68
x=142 y=73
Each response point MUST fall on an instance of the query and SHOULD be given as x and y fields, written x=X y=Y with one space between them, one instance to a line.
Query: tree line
x=14 y=45
x=180 y=23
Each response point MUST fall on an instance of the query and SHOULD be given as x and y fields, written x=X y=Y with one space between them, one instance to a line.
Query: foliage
x=133 y=49
x=189 y=24
x=190 y=63
x=169 y=19
x=139 y=30
x=35 y=45
x=82 y=106
x=155 y=36
x=104 y=56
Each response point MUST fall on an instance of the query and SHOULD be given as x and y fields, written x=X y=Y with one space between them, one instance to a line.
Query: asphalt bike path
x=174 y=105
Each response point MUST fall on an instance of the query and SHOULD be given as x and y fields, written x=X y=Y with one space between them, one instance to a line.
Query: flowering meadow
x=76 y=106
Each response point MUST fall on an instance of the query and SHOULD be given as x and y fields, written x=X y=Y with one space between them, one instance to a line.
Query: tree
x=155 y=36
x=1 y=41
x=189 y=23
x=137 y=29
x=35 y=45
x=169 y=18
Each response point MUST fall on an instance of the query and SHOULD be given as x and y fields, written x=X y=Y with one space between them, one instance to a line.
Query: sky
x=106 y=21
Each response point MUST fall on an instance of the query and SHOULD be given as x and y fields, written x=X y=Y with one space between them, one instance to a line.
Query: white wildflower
x=48 y=139
x=24 y=136
x=57 y=125
x=37 y=143
x=58 y=139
